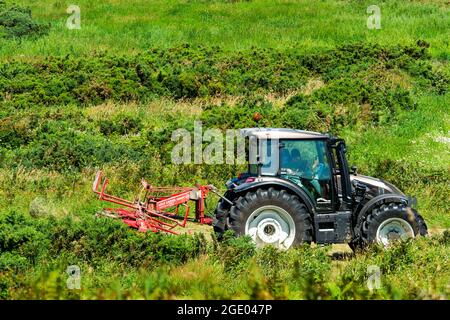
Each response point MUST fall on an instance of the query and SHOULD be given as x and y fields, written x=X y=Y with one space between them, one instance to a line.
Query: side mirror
x=354 y=170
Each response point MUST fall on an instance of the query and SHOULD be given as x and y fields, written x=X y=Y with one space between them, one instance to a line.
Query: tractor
x=298 y=188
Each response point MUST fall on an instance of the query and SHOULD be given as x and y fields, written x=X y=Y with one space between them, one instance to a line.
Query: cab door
x=307 y=163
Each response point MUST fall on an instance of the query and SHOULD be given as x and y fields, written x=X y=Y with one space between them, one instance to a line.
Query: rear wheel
x=220 y=222
x=271 y=216
x=390 y=223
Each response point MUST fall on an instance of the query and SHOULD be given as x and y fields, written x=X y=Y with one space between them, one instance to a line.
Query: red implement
x=151 y=210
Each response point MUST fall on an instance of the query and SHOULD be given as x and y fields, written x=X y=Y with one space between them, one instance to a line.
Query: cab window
x=306 y=163
x=267 y=151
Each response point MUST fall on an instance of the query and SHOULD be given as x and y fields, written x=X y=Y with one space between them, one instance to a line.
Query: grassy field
x=121 y=27
x=110 y=94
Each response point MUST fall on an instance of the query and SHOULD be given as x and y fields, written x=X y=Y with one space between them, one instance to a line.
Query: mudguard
x=377 y=201
x=267 y=182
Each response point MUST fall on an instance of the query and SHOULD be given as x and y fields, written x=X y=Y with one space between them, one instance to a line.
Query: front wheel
x=390 y=223
x=271 y=217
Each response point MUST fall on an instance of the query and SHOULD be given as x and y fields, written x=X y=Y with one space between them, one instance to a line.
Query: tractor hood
x=376 y=187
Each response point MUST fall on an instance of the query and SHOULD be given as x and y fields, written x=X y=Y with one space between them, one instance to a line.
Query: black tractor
x=298 y=188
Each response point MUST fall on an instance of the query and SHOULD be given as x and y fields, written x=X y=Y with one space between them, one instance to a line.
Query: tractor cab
x=307 y=159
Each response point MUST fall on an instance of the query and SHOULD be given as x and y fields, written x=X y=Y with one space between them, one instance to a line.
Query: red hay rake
x=150 y=211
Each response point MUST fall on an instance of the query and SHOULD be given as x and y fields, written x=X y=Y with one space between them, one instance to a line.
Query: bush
x=346 y=102
x=17 y=22
x=241 y=115
x=191 y=72
x=234 y=252
x=121 y=125
x=67 y=151
x=27 y=242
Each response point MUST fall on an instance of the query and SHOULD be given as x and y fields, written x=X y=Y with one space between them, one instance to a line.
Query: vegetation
x=70 y=106
x=116 y=264
x=17 y=22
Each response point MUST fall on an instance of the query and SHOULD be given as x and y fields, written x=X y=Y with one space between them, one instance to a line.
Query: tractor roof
x=281 y=133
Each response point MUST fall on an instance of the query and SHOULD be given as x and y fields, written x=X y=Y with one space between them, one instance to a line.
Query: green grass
x=118 y=27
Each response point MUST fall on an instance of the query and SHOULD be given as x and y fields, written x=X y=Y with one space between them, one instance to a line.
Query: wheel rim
x=394 y=229
x=271 y=225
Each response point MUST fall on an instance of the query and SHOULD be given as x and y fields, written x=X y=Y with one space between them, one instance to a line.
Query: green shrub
x=71 y=150
x=17 y=22
x=27 y=242
x=190 y=72
x=241 y=115
x=234 y=252
x=122 y=124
